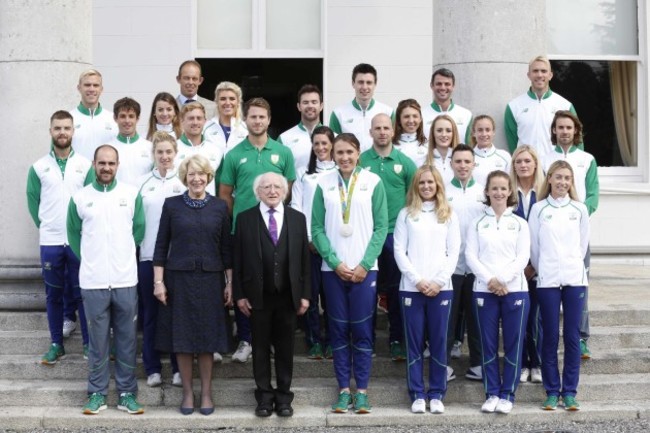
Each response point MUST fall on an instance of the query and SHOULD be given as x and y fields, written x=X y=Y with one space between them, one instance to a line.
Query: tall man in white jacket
x=105 y=223
x=50 y=183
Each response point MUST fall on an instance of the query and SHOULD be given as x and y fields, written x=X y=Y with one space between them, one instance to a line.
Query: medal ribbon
x=346 y=194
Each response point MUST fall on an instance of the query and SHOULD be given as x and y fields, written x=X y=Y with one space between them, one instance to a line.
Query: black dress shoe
x=284 y=410
x=206 y=410
x=263 y=411
x=187 y=410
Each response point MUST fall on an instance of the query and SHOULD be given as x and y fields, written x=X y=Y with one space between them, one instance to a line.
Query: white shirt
x=278 y=215
x=488 y=160
x=426 y=249
x=411 y=147
x=559 y=233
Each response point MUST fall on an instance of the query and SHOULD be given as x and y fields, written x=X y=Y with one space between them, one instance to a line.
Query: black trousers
x=275 y=325
x=463 y=291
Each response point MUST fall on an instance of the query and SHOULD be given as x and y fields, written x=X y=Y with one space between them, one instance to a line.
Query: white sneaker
x=68 y=327
x=419 y=406
x=455 y=349
x=436 y=406
x=176 y=379
x=450 y=374
x=427 y=353
x=536 y=375
x=474 y=373
x=243 y=352
x=216 y=357
x=525 y=373
x=490 y=404
x=504 y=406
x=154 y=380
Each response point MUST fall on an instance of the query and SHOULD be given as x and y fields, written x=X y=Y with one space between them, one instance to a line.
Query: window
x=258 y=28
x=597 y=51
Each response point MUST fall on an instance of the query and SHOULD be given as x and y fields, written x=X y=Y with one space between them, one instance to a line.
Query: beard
x=62 y=145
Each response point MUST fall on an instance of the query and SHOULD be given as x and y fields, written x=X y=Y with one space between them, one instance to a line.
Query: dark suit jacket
x=247 y=261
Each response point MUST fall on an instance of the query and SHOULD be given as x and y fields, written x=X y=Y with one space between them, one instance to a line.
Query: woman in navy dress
x=192 y=278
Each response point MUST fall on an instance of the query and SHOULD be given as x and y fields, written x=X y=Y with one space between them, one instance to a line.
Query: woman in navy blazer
x=192 y=278
x=527 y=179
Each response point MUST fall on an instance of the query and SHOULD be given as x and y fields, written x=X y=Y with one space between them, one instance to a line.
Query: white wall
x=138 y=46
x=394 y=37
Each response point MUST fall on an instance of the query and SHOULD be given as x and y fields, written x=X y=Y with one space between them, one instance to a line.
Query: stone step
x=168 y=418
x=389 y=392
x=19 y=367
x=602 y=339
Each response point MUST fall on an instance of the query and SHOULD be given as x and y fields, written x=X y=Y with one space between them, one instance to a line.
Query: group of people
x=208 y=212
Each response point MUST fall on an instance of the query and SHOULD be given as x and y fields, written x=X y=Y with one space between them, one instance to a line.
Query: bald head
x=381 y=131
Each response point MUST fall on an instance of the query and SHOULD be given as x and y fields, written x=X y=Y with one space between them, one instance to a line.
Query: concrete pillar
x=488 y=46
x=45 y=45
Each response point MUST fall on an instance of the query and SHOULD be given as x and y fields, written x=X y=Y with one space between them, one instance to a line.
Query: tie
x=189 y=100
x=273 y=227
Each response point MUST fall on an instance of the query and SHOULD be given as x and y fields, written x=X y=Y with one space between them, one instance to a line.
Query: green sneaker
x=85 y=351
x=585 y=353
x=343 y=403
x=55 y=353
x=316 y=352
x=396 y=351
x=130 y=404
x=550 y=403
x=361 y=404
x=570 y=403
x=96 y=402
x=328 y=352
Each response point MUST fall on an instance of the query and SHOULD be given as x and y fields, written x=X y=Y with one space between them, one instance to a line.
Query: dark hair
x=348 y=138
x=364 y=68
x=189 y=62
x=577 y=124
x=512 y=199
x=462 y=148
x=106 y=146
x=310 y=88
x=320 y=130
x=445 y=73
x=61 y=115
x=399 y=130
x=176 y=121
x=126 y=104
x=257 y=102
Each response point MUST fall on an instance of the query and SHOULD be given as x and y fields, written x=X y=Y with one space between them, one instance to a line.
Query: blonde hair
x=162 y=137
x=538 y=175
x=414 y=201
x=191 y=106
x=432 y=141
x=558 y=165
x=197 y=162
x=90 y=73
x=542 y=59
x=228 y=85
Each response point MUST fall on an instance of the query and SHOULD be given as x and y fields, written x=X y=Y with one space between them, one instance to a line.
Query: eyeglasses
x=269 y=186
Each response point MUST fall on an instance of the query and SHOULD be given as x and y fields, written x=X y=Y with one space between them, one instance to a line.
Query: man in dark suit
x=272 y=285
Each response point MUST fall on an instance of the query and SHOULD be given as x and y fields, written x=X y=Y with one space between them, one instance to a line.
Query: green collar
x=53 y=154
x=455 y=182
x=392 y=155
x=356 y=105
x=558 y=149
x=268 y=145
x=302 y=126
x=437 y=108
x=128 y=140
x=187 y=141
x=102 y=188
x=533 y=95
x=83 y=110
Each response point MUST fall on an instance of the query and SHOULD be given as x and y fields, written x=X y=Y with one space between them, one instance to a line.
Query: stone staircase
x=615 y=383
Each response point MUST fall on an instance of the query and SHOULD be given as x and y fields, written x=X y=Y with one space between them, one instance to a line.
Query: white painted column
x=488 y=46
x=45 y=45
